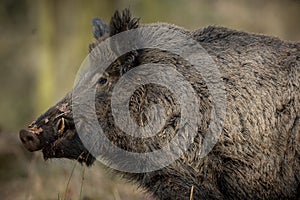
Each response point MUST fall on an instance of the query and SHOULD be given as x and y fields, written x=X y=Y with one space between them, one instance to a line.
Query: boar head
x=54 y=132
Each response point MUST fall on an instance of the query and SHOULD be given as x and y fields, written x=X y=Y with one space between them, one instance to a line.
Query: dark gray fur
x=258 y=153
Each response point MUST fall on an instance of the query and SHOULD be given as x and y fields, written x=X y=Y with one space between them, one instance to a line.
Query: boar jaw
x=55 y=134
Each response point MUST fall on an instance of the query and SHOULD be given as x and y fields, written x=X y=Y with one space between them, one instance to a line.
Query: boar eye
x=102 y=80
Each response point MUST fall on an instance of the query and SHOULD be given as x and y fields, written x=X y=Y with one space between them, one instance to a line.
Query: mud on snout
x=55 y=134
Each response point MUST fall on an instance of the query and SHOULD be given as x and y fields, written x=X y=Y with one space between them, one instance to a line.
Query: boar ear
x=100 y=28
x=100 y=32
x=122 y=22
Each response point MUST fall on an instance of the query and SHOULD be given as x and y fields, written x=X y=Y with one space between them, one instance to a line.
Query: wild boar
x=256 y=155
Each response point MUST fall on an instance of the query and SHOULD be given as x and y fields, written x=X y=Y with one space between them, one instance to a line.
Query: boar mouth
x=67 y=145
x=64 y=147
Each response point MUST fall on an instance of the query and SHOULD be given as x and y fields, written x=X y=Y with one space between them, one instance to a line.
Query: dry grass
x=192 y=192
x=27 y=176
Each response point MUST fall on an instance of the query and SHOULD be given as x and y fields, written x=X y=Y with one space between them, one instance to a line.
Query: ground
x=25 y=175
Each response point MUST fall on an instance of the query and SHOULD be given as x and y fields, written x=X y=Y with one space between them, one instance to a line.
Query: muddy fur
x=258 y=153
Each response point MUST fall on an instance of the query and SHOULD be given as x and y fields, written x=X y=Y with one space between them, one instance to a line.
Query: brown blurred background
x=42 y=44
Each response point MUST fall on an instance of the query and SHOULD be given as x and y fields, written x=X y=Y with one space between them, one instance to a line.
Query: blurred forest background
x=42 y=44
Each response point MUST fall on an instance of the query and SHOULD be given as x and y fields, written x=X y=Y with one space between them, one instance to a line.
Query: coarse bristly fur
x=258 y=153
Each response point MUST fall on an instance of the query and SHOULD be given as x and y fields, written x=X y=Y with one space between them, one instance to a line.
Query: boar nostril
x=22 y=140
x=28 y=138
x=30 y=141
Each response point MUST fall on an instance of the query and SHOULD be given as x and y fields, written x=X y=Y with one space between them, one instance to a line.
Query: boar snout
x=30 y=140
